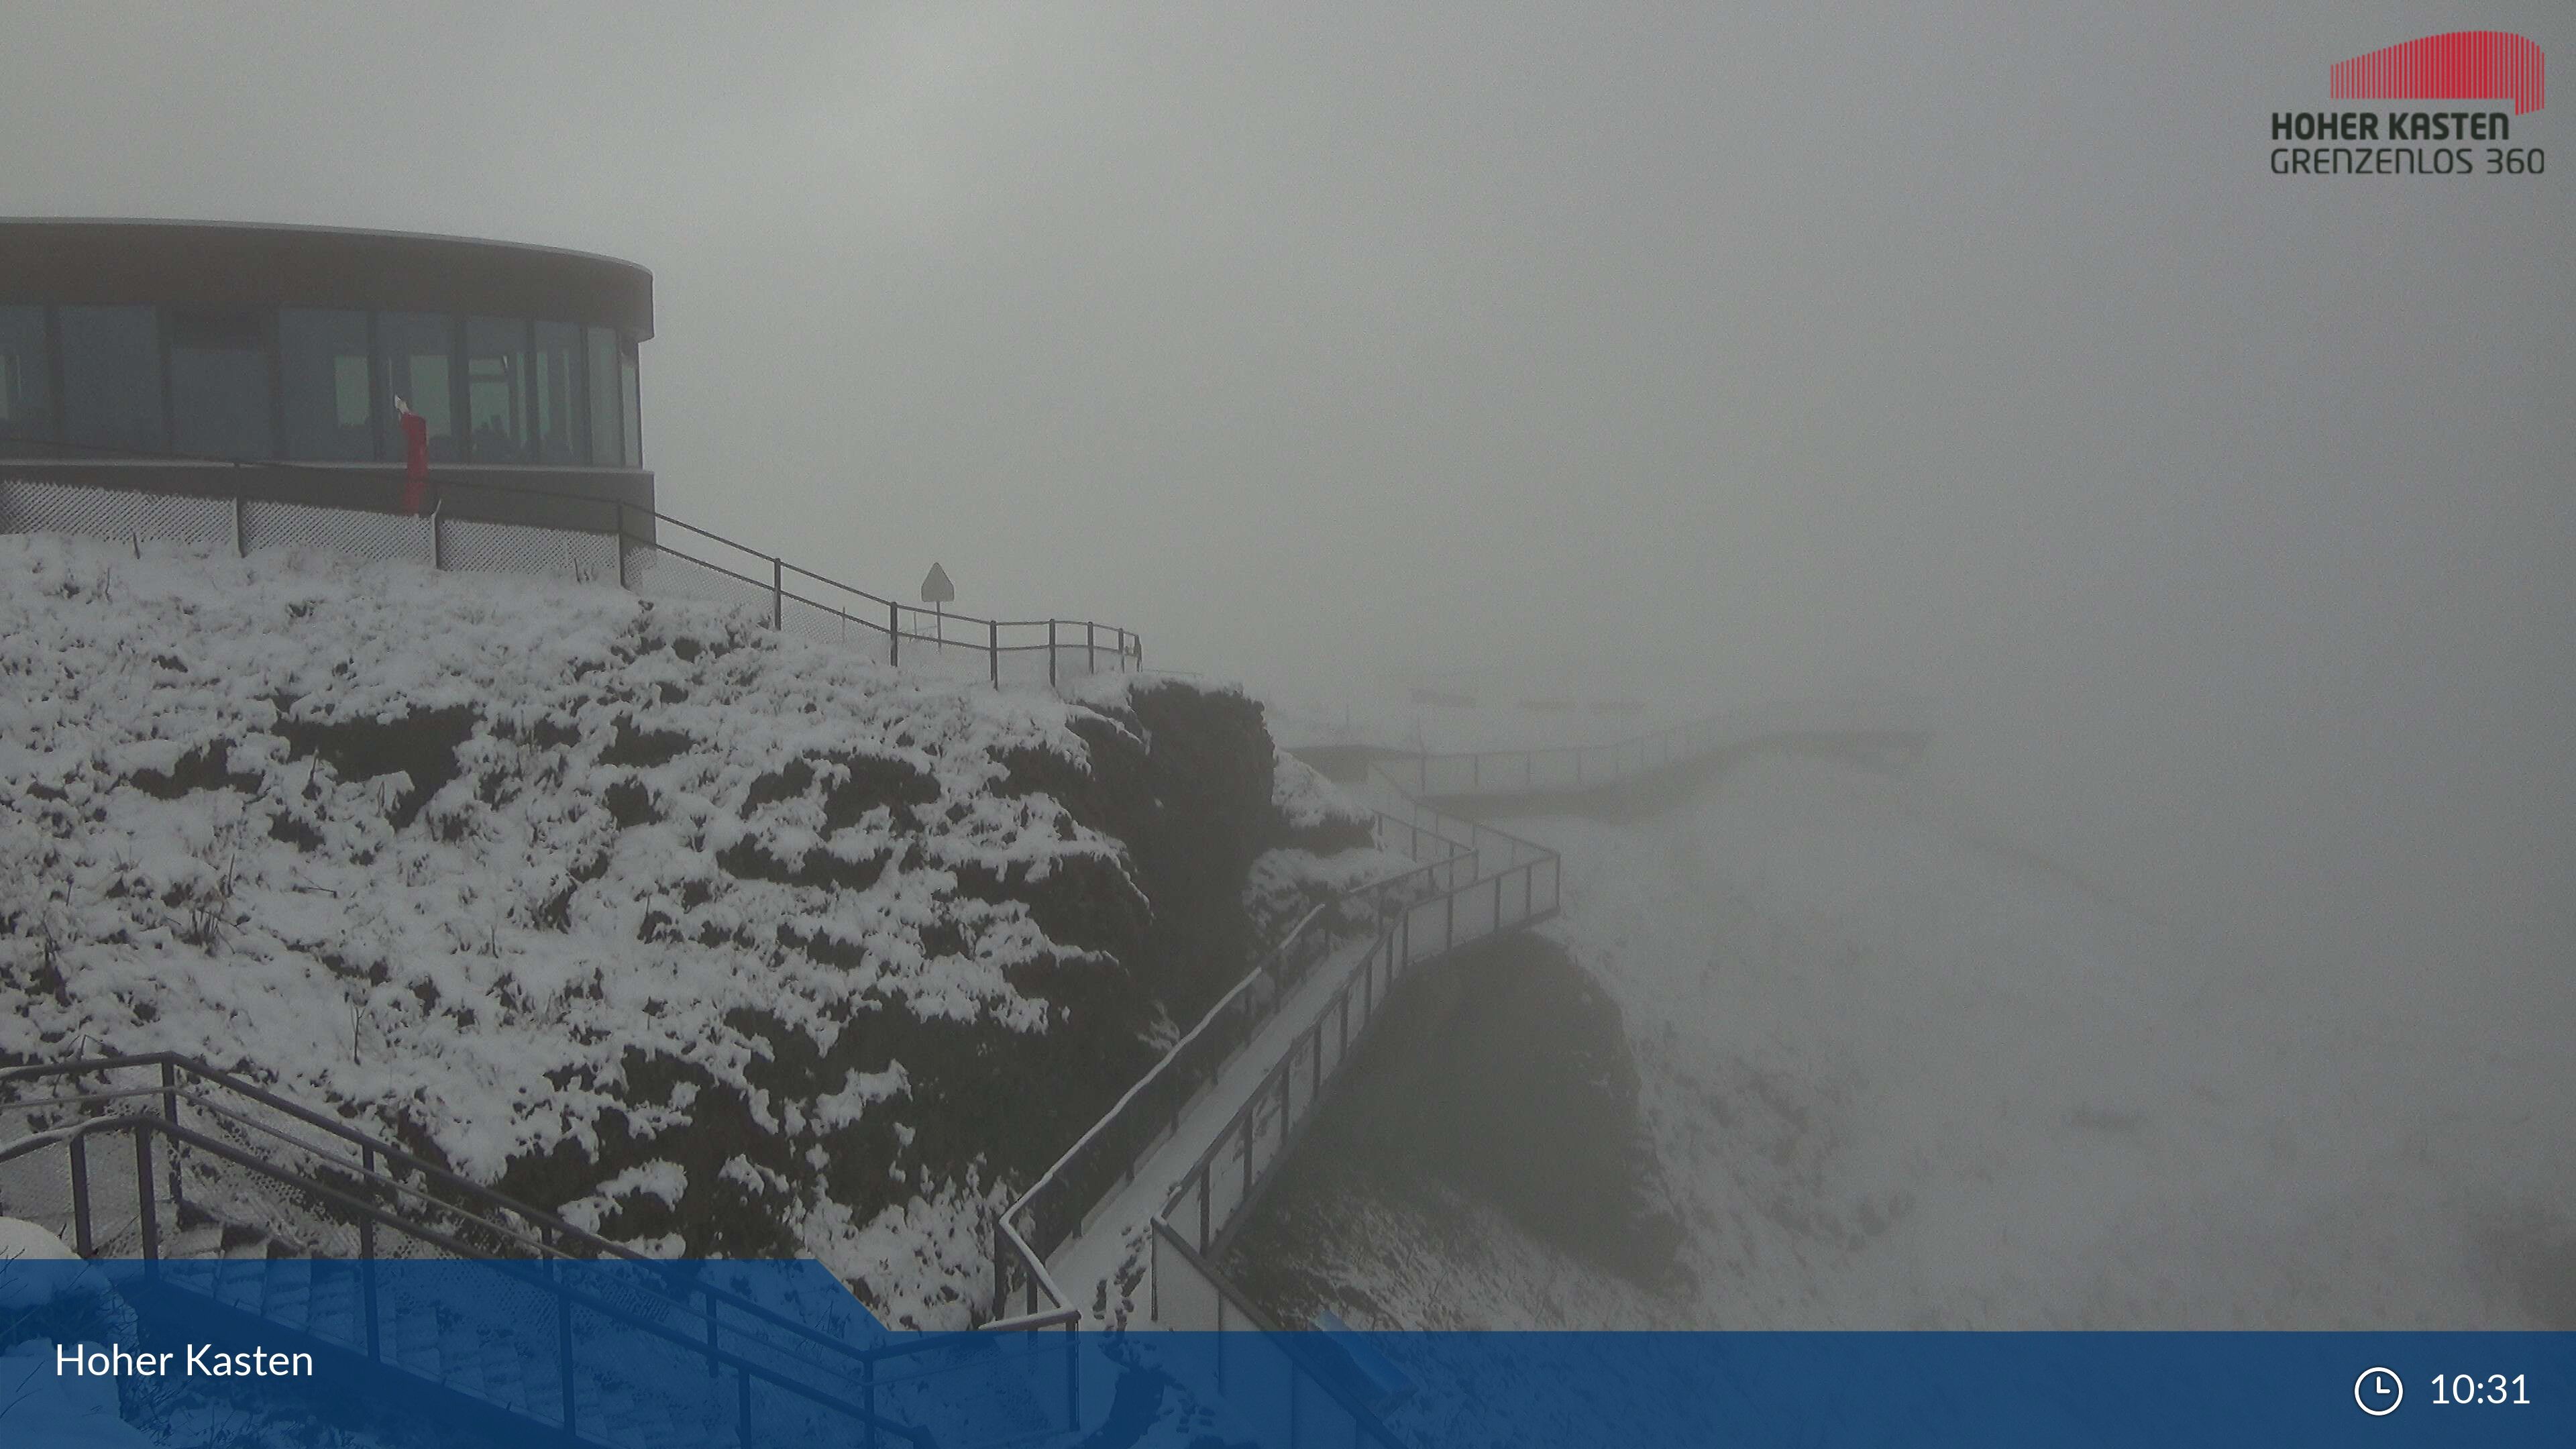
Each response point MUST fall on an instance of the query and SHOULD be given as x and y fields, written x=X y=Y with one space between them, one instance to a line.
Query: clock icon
x=2378 y=1391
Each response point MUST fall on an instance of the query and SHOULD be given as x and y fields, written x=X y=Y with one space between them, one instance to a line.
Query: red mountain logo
x=2464 y=65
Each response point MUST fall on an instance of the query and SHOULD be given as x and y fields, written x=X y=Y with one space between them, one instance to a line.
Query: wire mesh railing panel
x=1319 y=1421
x=473 y=545
x=1185 y=1299
x=1426 y=931
x=36 y=1187
x=661 y=573
x=1335 y=1026
x=28 y=506
x=848 y=630
x=1475 y=915
x=1225 y=1180
x=1305 y=1078
x=1259 y=1378
x=986 y=1388
x=372 y=537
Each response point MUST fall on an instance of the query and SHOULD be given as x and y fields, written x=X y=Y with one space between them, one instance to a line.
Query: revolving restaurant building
x=165 y=355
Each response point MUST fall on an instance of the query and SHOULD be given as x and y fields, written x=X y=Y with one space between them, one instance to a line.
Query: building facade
x=265 y=361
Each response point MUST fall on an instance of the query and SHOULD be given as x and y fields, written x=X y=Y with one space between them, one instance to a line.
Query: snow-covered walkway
x=1110 y=1245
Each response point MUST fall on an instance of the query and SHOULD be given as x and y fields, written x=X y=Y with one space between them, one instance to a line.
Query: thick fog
x=2227 y=518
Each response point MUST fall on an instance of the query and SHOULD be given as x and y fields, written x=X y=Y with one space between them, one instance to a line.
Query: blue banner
x=118 y=1355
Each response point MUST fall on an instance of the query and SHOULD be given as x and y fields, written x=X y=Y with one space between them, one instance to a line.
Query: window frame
x=588 y=431
x=48 y=371
x=156 y=364
x=376 y=389
x=265 y=320
x=521 y=393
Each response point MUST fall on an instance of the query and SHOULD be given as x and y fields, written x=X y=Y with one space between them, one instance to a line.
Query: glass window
x=26 y=378
x=554 y=393
x=330 y=407
x=414 y=350
x=219 y=384
x=496 y=369
x=607 y=434
x=112 y=377
x=634 y=404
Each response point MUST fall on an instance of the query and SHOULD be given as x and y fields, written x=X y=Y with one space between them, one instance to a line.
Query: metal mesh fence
x=846 y=629
x=662 y=573
x=32 y=507
x=36 y=1187
x=517 y=548
x=373 y=537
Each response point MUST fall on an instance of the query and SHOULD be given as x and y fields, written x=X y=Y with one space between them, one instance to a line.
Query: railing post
x=438 y=537
x=993 y=648
x=367 y=1293
x=622 y=581
x=1073 y=1373
x=81 y=1239
x=869 y=1402
x=777 y=594
x=143 y=1192
x=1050 y=653
x=563 y=1347
x=241 y=542
x=1001 y=1272
x=1091 y=646
x=170 y=1114
x=894 y=633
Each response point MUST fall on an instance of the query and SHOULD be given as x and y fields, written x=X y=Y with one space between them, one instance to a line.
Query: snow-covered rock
x=727 y=941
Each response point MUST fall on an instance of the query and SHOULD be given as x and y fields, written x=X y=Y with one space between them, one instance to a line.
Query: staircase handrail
x=173 y=1062
x=1012 y=1240
x=698 y=1345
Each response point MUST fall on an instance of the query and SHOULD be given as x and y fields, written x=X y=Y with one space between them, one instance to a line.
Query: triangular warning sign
x=935 y=588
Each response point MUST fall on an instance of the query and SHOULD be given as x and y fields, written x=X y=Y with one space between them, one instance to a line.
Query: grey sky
x=1974 y=349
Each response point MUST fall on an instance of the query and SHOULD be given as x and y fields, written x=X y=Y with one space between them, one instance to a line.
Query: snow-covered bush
x=727 y=941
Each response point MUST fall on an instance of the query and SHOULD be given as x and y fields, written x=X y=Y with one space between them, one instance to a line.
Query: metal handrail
x=172 y=1063
x=1013 y=1242
x=534 y=1247
x=1384 y=947
x=865 y=1358
x=177 y=1062
x=1297 y=1346
x=1125 y=644
x=698 y=1346
x=1264 y=970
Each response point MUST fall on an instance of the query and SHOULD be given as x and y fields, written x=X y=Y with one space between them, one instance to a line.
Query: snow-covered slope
x=722 y=941
x=1898 y=1077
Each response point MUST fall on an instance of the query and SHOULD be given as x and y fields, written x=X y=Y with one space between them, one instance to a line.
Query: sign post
x=937 y=591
